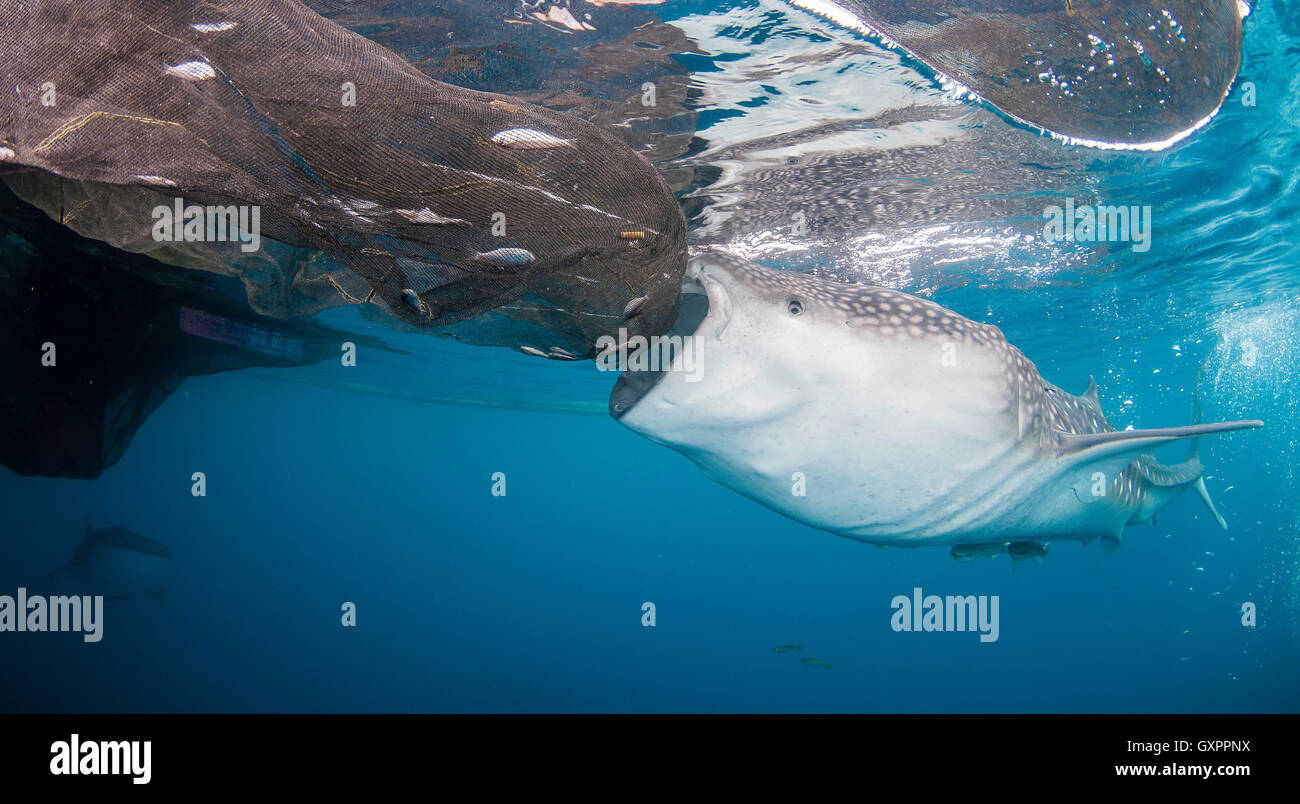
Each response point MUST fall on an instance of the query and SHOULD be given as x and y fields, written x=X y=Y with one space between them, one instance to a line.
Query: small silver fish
x=191 y=71
x=213 y=27
x=506 y=257
x=815 y=663
x=412 y=300
x=426 y=215
x=633 y=307
x=561 y=354
x=529 y=350
x=785 y=648
x=528 y=139
x=158 y=181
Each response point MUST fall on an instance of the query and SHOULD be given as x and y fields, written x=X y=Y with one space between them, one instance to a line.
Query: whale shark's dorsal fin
x=1091 y=393
x=1119 y=442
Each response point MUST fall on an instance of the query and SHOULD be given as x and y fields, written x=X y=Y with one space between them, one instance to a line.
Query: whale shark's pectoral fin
x=1112 y=452
x=1132 y=443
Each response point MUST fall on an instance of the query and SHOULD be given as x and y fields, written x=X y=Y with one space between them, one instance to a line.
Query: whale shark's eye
x=794 y=306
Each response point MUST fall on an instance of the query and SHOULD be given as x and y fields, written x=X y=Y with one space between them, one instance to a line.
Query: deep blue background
x=320 y=493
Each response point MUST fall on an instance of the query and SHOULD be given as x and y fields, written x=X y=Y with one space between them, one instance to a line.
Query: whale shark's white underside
x=889 y=419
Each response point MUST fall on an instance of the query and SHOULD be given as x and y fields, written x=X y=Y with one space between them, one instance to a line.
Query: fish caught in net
x=172 y=129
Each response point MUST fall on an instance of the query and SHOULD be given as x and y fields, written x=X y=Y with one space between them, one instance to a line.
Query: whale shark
x=886 y=418
x=118 y=563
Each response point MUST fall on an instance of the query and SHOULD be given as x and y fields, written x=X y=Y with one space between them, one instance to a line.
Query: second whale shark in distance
x=904 y=422
x=118 y=563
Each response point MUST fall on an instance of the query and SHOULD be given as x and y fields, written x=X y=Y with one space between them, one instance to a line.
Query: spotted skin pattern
x=840 y=382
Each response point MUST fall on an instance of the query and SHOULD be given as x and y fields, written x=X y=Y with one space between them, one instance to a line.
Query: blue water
x=372 y=484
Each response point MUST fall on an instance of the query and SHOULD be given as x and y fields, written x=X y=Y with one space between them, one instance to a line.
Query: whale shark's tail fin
x=1123 y=450
x=1171 y=480
x=1204 y=494
x=1194 y=456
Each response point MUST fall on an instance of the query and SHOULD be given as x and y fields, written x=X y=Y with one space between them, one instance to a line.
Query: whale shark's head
x=769 y=340
x=752 y=329
x=861 y=392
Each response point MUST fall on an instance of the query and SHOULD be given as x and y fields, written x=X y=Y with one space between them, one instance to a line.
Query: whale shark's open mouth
x=705 y=311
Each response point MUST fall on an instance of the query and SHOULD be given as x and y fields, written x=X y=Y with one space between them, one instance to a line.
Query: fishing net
x=617 y=66
x=157 y=126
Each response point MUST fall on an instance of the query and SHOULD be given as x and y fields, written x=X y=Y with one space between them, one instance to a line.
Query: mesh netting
x=372 y=182
x=591 y=60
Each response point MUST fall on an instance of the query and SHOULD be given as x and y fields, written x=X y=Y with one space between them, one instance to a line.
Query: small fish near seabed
x=118 y=564
x=902 y=423
x=787 y=648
